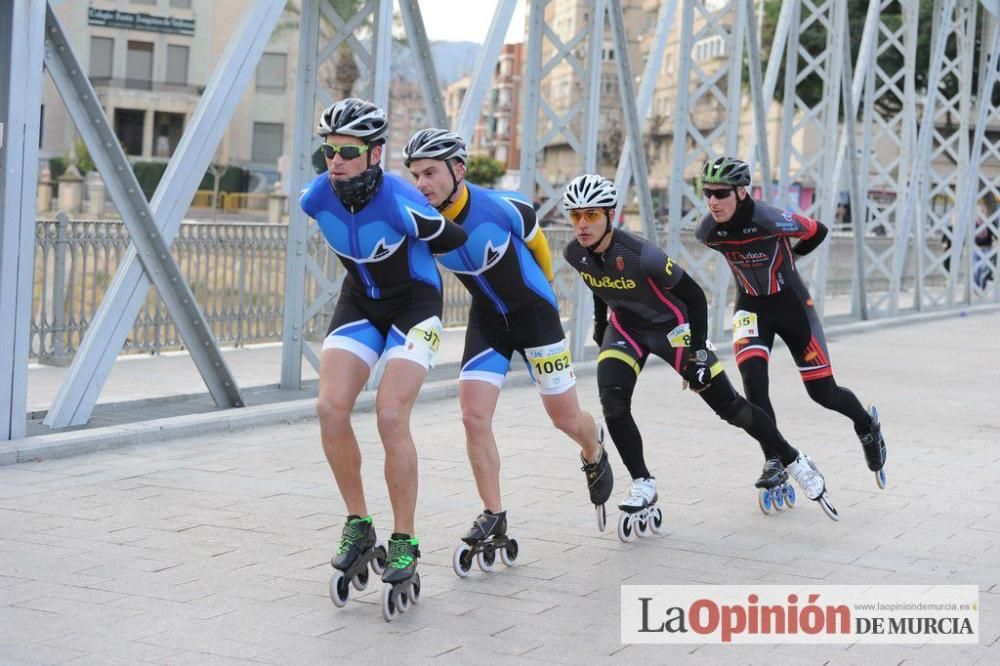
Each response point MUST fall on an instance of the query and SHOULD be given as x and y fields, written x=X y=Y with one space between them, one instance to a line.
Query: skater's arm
x=811 y=241
x=688 y=291
x=600 y=319
x=451 y=237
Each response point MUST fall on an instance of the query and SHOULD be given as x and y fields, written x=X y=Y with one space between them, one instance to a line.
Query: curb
x=63 y=444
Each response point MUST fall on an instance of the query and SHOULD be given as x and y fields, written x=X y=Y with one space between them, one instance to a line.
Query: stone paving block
x=245 y=529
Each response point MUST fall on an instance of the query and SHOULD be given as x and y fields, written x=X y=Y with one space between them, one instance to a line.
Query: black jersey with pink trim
x=634 y=277
x=757 y=246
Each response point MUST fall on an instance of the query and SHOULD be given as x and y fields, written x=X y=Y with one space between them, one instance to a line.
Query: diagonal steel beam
x=21 y=26
x=633 y=130
x=420 y=49
x=154 y=253
x=293 y=320
x=472 y=104
x=92 y=364
x=644 y=102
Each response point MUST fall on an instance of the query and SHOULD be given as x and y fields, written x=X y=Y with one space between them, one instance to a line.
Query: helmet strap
x=448 y=200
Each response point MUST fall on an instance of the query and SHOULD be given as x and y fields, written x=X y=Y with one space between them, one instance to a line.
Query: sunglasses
x=588 y=214
x=720 y=194
x=349 y=152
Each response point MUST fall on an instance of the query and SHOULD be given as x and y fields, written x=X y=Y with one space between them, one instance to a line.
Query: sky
x=469 y=21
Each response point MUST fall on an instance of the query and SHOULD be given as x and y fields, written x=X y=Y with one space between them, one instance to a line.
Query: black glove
x=600 y=319
x=600 y=325
x=696 y=371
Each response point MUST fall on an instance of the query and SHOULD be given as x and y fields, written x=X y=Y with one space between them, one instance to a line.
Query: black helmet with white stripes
x=435 y=144
x=354 y=117
x=589 y=191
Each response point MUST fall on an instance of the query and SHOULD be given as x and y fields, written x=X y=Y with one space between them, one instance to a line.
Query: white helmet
x=354 y=117
x=589 y=191
x=435 y=144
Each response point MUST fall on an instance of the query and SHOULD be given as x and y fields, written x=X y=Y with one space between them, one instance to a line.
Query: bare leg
x=479 y=402
x=342 y=375
x=394 y=401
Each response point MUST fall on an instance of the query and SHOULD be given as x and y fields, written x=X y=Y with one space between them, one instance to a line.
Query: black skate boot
x=482 y=543
x=873 y=444
x=358 y=549
x=600 y=483
x=775 y=493
x=400 y=576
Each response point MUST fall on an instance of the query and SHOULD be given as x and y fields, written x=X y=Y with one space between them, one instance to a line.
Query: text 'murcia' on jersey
x=635 y=278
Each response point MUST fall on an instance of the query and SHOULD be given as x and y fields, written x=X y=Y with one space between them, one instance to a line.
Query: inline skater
x=756 y=240
x=506 y=266
x=383 y=232
x=657 y=308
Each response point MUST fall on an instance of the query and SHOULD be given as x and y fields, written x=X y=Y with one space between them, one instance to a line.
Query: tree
x=483 y=170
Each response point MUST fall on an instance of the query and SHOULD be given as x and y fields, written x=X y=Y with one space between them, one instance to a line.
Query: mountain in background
x=452 y=61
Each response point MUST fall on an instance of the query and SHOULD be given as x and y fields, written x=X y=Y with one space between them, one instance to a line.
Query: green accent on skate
x=399 y=552
x=352 y=534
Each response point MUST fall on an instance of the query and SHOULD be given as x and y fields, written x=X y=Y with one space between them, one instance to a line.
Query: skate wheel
x=378 y=562
x=602 y=516
x=777 y=499
x=642 y=525
x=360 y=582
x=828 y=508
x=339 y=588
x=389 y=610
x=656 y=520
x=461 y=561
x=415 y=589
x=789 y=496
x=403 y=598
x=764 y=501
x=626 y=528
x=486 y=558
x=508 y=554
x=880 y=478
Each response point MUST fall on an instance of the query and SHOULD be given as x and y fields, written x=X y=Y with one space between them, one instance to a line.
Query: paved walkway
x=215 y=549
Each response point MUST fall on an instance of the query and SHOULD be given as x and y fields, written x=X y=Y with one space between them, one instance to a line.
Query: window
x=143 y=2
x=177 y=64
x=101 y=57
x=139 y=66
x=180 y=4
x=267 y=142
x=129 y=128
x=271 y=72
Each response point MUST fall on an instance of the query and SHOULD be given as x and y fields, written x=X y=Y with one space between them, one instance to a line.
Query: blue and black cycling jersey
x=495 y=263
x=383 y=246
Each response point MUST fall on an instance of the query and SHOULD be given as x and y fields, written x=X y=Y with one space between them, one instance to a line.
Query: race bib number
x=551 y=365
x=744 y=325
x=422 y=342
x=680 y=336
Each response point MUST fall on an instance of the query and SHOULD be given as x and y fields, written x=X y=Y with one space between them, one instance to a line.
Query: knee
x=822 y=391
x=332 y=413
x=567 y=420
x=392 y=420
x=739 y=413
x=615 y=402
x=476 y=420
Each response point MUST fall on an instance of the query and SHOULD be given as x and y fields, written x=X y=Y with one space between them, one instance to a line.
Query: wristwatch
x=701 y=356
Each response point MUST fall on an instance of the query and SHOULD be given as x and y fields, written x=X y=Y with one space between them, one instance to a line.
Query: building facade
x=149 y=62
